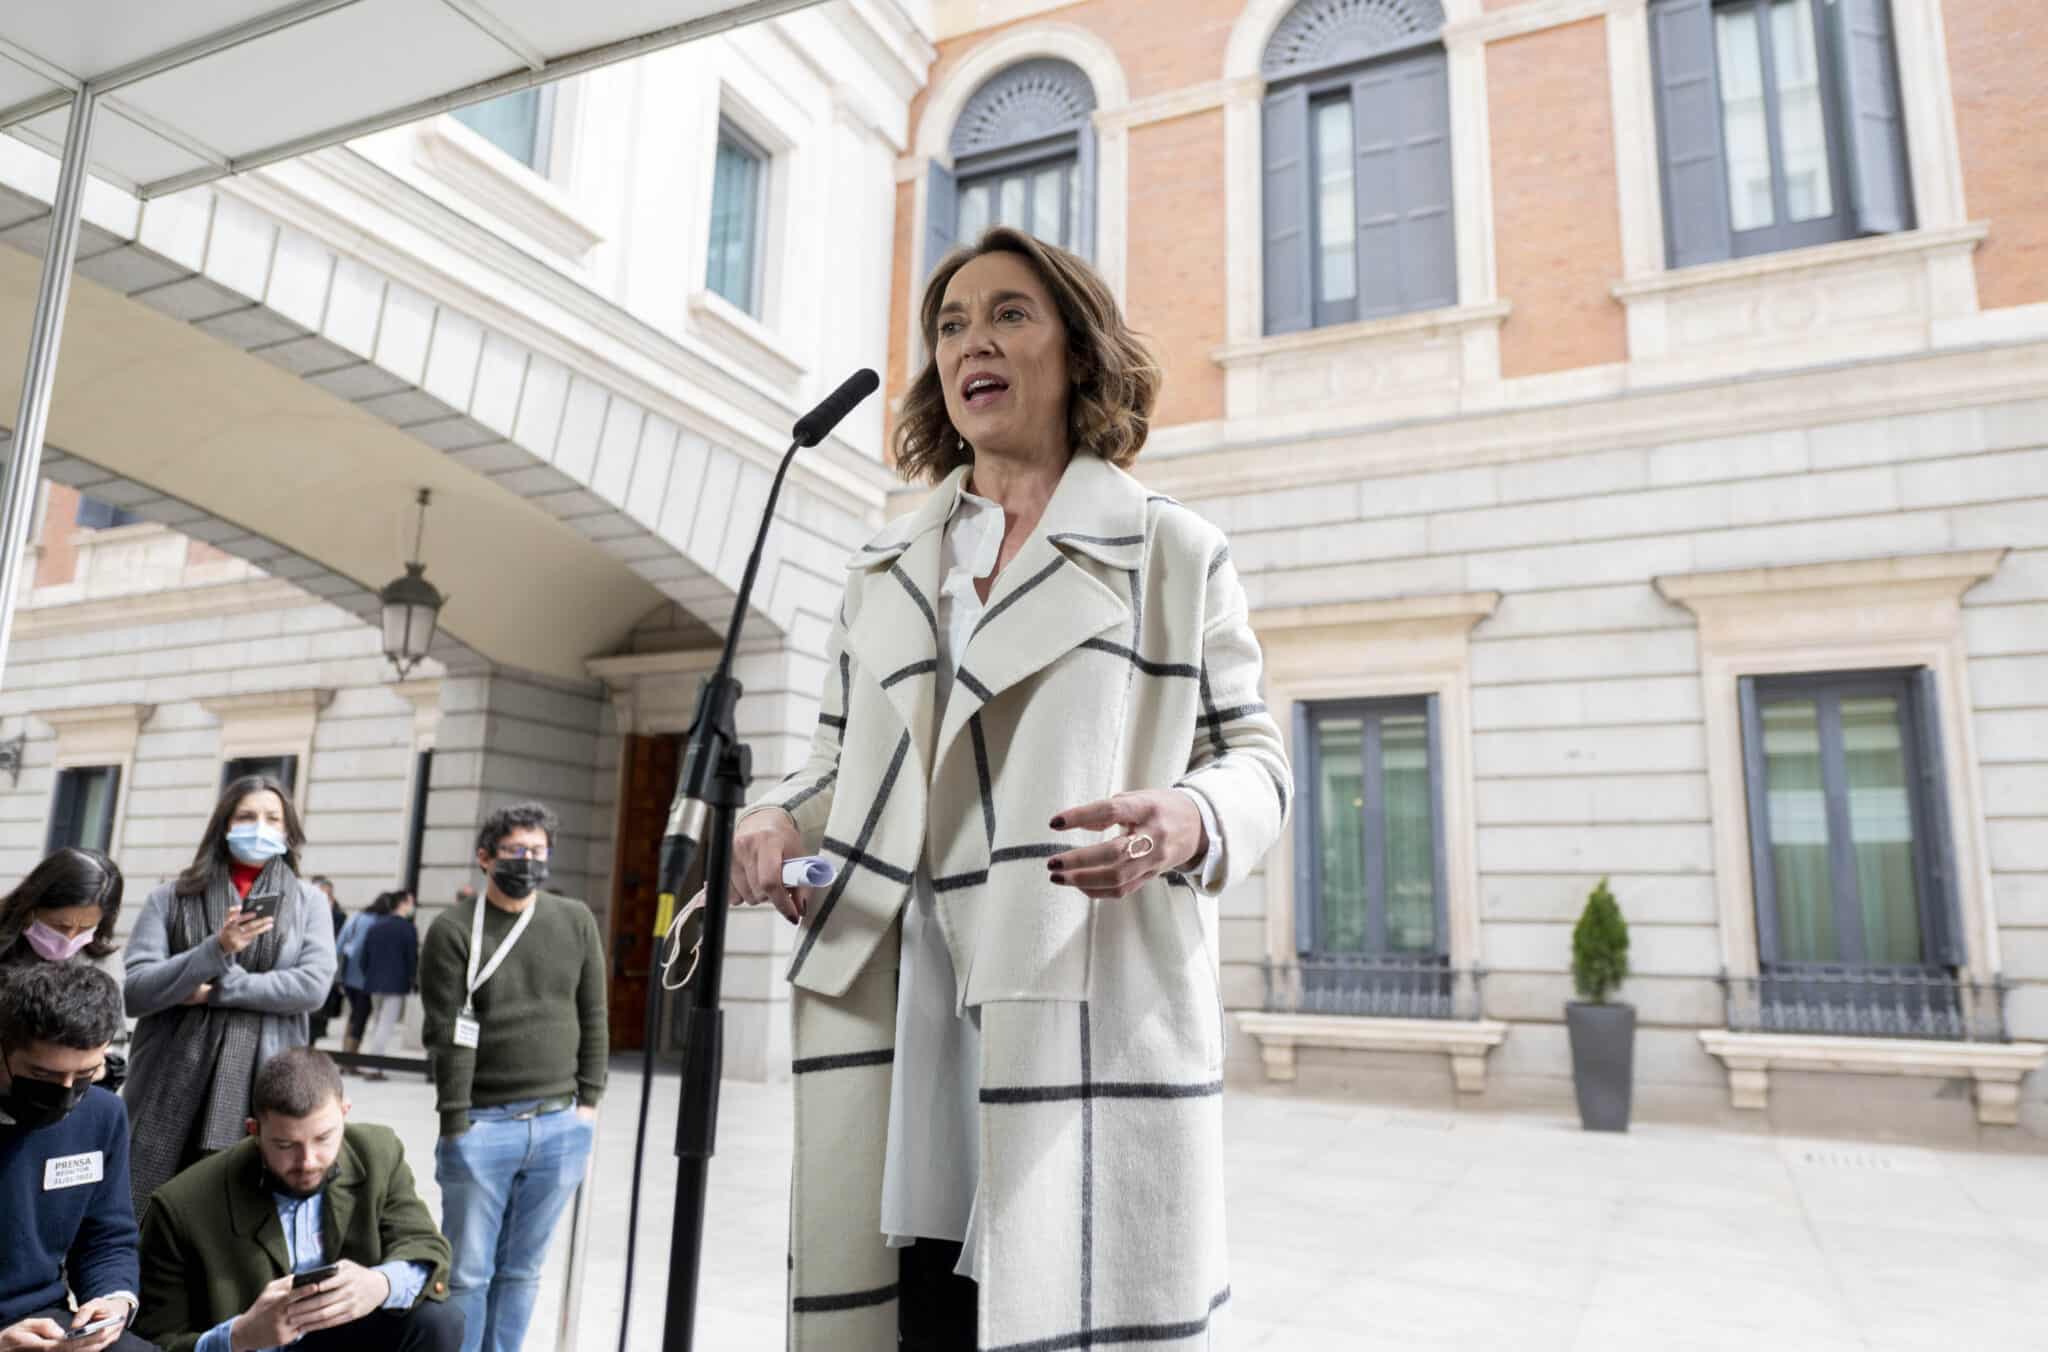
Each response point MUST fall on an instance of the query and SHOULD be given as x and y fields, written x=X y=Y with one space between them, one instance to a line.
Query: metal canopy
x=153 y=96
x=193 y=90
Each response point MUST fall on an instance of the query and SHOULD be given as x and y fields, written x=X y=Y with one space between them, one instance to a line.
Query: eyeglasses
x=539 y=852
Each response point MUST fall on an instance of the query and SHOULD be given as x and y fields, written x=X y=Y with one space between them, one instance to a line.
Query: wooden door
x=651 y=764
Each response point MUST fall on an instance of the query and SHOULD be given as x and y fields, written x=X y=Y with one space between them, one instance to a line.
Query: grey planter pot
x=1603 y=1062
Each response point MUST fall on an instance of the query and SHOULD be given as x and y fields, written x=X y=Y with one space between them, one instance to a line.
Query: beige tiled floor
x=1355 y=1226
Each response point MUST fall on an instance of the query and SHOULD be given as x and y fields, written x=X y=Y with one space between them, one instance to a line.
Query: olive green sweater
x=545 y=1023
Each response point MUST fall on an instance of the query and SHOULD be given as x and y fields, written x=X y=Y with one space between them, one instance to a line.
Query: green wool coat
x=211 y=1239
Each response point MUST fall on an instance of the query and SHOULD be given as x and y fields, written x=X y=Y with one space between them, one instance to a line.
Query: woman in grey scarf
x=226 y=963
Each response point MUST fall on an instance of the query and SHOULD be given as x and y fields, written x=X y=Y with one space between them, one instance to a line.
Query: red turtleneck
x=243 y=875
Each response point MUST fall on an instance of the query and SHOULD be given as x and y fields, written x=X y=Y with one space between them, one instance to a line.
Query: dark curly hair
x=506 y=820
x=69 y=1003
x=67 y=877
x=1116 y=379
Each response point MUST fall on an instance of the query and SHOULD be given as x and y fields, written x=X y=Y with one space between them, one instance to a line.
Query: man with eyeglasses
x=513 y=989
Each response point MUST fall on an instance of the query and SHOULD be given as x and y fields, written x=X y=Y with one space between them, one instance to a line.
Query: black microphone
x=812 y=427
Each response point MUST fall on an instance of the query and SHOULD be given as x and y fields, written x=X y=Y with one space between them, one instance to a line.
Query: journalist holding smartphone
x=63 y=1166
x=227 y=961
x=307 y=1234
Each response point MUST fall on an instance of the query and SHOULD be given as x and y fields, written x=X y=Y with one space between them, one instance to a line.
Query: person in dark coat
x=229 y=1244
x=335 y=1002
x=391 y=969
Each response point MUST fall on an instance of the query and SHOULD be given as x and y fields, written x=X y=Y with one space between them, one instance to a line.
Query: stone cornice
x=1950 y=573
x=1463 y=608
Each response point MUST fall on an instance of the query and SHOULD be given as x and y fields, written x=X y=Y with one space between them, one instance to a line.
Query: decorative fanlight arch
x=1317 y=34
x=1028 y=101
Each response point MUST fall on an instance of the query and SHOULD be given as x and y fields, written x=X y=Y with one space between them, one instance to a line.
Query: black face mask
x=517 y=878
x=35 y=1104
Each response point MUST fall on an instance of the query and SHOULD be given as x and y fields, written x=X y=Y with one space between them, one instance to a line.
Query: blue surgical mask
x=255 y=843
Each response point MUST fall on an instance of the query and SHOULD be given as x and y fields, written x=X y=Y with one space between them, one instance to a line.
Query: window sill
x=1833 y=302
x=1963 y=237
x=744 y=336
x=503 y=187
x=1425 y=364
x=1465 y=1041
x=1996 y=1068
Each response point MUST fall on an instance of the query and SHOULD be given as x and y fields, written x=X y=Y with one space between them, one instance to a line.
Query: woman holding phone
x=227 y=962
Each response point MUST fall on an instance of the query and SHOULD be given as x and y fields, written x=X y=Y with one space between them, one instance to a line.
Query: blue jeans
x=504 y=1183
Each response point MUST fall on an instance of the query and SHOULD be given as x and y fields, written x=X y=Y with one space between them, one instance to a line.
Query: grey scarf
x=202 y=1098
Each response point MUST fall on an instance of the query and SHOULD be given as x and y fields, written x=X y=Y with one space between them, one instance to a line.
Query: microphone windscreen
x=813 y=426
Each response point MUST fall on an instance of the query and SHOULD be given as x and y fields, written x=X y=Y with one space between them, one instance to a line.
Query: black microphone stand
x=709 y=793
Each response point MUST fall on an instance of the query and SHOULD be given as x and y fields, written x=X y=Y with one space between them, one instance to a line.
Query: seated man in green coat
x=308 y=1234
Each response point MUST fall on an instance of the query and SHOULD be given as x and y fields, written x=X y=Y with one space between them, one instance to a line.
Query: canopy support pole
x=39 y=378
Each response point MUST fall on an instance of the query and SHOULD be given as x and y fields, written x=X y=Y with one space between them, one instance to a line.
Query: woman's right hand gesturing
x=241 y=929
x=760 y=845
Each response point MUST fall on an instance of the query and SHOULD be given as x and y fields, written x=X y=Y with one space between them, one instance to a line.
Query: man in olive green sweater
x=513 y=990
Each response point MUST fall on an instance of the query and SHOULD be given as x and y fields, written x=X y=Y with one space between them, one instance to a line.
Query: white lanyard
x=476 y=944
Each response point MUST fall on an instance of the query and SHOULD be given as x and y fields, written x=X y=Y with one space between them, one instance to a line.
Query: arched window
x=1023 y=155
x=1358 y=220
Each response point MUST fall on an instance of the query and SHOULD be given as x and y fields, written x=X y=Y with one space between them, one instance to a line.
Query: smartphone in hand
x=318 y=1274
x=88 y=1330
x=263 y=907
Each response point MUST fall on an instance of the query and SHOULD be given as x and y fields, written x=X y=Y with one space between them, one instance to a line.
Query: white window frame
x=760 y=339
x=270 y=723
x=94 y=736
x=1860 y=615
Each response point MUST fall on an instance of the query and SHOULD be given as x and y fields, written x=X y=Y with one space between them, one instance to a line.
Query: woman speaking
x=1041 y=748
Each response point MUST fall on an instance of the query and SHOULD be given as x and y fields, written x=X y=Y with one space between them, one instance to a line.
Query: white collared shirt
x=933 y=1155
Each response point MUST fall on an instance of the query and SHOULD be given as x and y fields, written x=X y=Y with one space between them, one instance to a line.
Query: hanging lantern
x=412 y=607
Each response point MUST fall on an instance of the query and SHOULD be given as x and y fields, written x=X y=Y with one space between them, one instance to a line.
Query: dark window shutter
x=1407 y=237
x=94 y=514
x=64 y=812
x=1696 y=228
x=1084 y=234
x=941 y=215
x=1289 y=194
x=1944 y=915
x=1308 y=806
x=1763 y=880
x=1873 y=120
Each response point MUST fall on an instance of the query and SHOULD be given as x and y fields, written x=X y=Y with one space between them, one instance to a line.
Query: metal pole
x=18 y=507
x=579 y=1243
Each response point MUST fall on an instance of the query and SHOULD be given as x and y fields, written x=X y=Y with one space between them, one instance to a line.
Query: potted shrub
x=1603 y=1033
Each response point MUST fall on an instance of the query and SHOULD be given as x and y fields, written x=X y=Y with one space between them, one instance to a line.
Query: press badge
x=467 y=1030
x=73 y=1171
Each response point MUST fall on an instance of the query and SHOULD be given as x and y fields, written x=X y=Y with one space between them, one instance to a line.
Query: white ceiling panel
x=18 y=84
x=559 y=29
x=249 y=82
x=321 y=73
x=88 y=38
x=119 y=146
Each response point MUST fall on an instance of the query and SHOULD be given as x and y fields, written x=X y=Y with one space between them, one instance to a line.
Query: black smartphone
x=264 y=907
x=319 y=1274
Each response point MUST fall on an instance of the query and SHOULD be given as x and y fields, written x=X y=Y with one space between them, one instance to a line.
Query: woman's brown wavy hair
x=1116 y=379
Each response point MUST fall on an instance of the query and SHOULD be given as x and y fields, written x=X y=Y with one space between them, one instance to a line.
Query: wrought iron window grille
x=1893 y=1002
x=1369 y=986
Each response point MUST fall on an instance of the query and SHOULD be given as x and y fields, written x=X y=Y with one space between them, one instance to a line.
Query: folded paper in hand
x=810 y=870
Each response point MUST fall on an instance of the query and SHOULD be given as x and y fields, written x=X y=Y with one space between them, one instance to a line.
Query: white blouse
x=933 y=1154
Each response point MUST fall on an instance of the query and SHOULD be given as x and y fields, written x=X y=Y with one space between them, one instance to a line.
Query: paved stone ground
x=1358 y=1226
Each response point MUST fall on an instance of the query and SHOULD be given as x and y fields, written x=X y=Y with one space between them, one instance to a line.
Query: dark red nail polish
x=1060 y=879
x=1059 y=823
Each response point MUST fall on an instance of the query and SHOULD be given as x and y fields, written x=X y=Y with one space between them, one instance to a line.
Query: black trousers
x=430 y=1326
x=935 y=1306
x=358 y=1012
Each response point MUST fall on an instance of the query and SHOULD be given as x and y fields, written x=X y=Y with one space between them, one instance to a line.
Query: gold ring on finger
x=1139 y=845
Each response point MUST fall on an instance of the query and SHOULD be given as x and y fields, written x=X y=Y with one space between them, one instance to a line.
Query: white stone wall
x=1589 y=743
x=356 y=779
